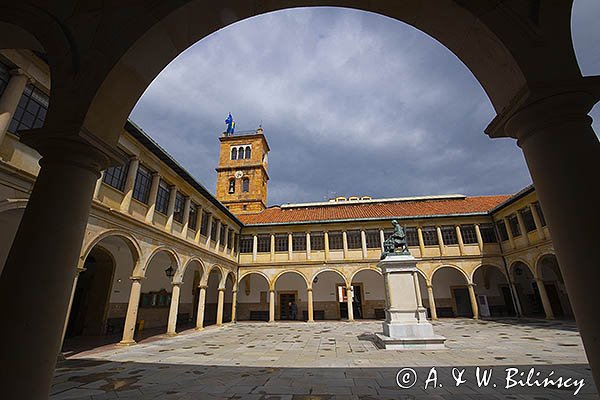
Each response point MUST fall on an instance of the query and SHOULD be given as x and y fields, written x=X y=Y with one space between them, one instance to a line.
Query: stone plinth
x=406 y=326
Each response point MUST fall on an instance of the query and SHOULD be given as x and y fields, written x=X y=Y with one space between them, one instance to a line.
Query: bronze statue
x=396 y=243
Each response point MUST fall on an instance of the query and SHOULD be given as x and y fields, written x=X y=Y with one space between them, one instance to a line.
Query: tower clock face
x=238 y=174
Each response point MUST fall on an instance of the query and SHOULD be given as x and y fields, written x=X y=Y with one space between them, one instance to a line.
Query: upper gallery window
x=115 y=176
x=143 y=182
x=31 y=110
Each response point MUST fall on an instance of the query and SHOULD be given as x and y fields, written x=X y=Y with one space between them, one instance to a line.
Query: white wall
x=257 y=284
x=444 y=278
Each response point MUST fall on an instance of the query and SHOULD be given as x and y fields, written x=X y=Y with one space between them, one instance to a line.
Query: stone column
x=431 y=299
x=98 y=186
x=349 y=293
x=290 y=247
x=68 y=315
x=511 y=239
x=220 y=304
x=198 y=223
x=218 y=235
x=271 y=305
x=461 y=244
x=545 y=300
x=171 y=209
x=201 y=303
x=363 y=242
x=381 y=239
x=10 y=99
x=473 y=297
x=132 y=170
x=421 y=241
x=308 y=245
x=233 y=305
x=38 y=274
x=272 y=248
x=174 y=308
x=345 y=243
x=538 y=223
x=152 y=197
x=516 y=298
x=522 y=226
x=254 y=247
x=209 y=230
x=479 y=238
x=226 y=237
x=326 y=243
x=186 y=217
x=440 y=240
x=309 y=297
x=132 y=311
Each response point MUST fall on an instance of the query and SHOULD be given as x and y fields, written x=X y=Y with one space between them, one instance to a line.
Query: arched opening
x=330 y=297
x=248 y=154
x=155 y=299
x=369 y=295
x=253 y=298
x=451 y=293
x=9 y=220
x=228 y=297
x=89 y=307
x=212 y=297
x=494 y=295
x=554 y=284
x=290 y=289
x=234 y=153
x=189 y=296
x=527 y=290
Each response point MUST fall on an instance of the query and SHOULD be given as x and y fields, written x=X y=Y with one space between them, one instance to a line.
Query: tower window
x=234 y=153
x=248 y=152
x=245 y=185
x=231 y=186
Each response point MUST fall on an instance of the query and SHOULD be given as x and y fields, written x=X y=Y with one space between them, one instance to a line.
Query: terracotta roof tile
x=416 y=208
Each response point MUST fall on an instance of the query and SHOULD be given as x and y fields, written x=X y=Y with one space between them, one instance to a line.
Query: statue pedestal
x=406 y=326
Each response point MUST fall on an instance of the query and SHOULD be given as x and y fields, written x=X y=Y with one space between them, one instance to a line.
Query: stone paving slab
x=331 y=360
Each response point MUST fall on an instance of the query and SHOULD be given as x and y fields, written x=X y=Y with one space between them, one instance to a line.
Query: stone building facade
x=161 y=252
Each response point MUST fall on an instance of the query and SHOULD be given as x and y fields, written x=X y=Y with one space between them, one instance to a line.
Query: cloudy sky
x=352 y=103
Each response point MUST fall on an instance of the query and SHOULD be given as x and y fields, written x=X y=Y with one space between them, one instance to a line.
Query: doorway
x=356 y=301
x=285 y=311
x=554 y=299
x=508 y=301
x=463 y=302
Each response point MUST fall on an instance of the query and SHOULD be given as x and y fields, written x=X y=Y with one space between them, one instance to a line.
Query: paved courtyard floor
x=336 y=360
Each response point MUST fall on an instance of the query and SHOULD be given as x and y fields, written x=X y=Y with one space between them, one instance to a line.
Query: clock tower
x=242 y=172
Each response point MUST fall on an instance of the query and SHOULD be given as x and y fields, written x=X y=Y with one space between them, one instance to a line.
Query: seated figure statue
x=396 y=243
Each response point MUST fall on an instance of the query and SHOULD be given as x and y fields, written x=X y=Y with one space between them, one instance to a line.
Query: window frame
x=113 y=180
x=162 y=197
x=142 y=184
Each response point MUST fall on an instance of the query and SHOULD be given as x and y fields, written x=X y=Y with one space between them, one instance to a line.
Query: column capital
x=429 y=285
x=309 y=289
x=221 y=289
x=22 y=72
x=136 y=278
x=177 y=283
x=73 y=145
x=540 y=106
x=203 y=286
x=471 y=284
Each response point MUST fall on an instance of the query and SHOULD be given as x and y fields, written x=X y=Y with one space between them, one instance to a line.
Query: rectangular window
x=115 y=177
x=281 y=242
x=487 y=233
x=179 y=204
x=513 y=223
x=143 y=181
x=468 y=234
x=204 y=223
x=162 y=197
x=373 y=239
x=430 y=237
x=222 y=235
x=449 y=235
x=230 y=243
x=335 y=241
x=193 y=217
x=299 y=242
x=31 y=110
x=354 y=240
x=213 y=230
x=528 y=221
x=317 y=241
x=236 y=242
x=412 y=238
x=502 y=232
x=538 y=208
x=246 y=242
x=264 y=243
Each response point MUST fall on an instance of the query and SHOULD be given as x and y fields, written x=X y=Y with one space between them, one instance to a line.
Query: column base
x=199 y=328
x=126 y=343
x=172 y=334
x=311 y=320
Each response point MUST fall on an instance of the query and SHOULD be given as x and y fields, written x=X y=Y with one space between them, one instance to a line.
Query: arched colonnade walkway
x=523 y=58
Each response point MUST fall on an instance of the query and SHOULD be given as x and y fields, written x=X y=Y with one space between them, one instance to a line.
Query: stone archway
x=369 y=290
x=190 y=294
x=526 y=289
x=494 y=294
x=550 y=276
x=290 y=287
x=212 y=296
x=451 y=291
x=253 y=297
x=330 y=295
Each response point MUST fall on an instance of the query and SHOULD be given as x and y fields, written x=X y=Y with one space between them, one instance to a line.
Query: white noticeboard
x=484 y=307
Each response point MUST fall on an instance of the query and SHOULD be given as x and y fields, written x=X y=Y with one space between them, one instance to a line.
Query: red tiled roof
x=411 y=208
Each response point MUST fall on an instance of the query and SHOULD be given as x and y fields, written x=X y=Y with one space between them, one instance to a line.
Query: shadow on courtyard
x=535 y=323
x=87 y=378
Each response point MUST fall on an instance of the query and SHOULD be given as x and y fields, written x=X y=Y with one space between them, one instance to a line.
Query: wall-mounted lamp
x=170 y=272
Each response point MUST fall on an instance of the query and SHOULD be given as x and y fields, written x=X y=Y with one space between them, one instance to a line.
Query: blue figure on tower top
x=230 y=125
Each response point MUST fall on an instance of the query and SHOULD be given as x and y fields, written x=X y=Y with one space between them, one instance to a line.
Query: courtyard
x=331 y=360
